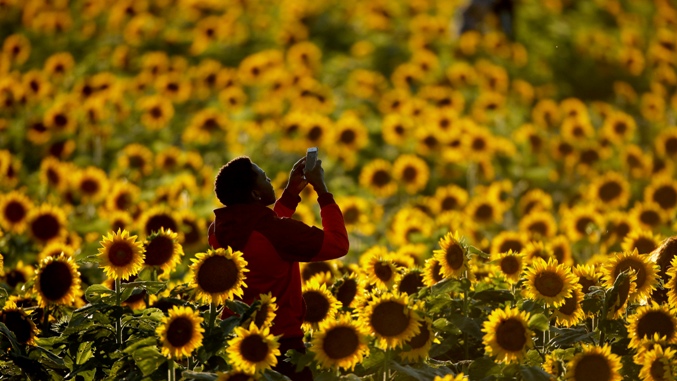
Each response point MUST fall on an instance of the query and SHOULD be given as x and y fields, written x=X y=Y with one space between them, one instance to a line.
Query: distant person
x=476 y=12
x=273 y=244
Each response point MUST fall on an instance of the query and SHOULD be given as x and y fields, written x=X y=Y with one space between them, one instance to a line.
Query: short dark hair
x=235 y=181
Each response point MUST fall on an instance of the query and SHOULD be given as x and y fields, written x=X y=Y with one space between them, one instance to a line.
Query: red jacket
x=273 y=244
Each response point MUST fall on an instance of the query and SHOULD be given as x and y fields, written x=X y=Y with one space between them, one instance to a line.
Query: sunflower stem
x=171 y=374
x=212 y=316
x=118 y=301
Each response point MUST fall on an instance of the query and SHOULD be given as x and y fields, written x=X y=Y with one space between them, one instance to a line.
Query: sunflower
x=359 y=214
x=162 y=250
x=347 y=289
x=618 y=226
x=652 y=322
x=432 y=272
x=53 y=173
x=46 y=223
x=535 y=200
x=340 y=344
x=14 y=208
x=575 y=130
x=19 y=323
x=509 y=265
x=137 y=158
x=644 y=241
x=549 y=281
x=412 y=172
x=410 y=281
x=485 y=210
x=121 y=255
x=538 y=225
x=218 y=275
x=311 y=269
x=235 y=375
x=658 y=364
x=321 y=305
x=507 y=335
x=508 y=240
x=571 y=312
x=588 y=276
x=265 y=313
x=612 y=190
x=419 y=346
x=452 y=377
x=396 y=129
x=461 y=74
x=390 y=320
x=619 y=127
x=646 y=273
x=662 y=191
x=169 y=159
x=666 y=143
x=452 y=255
x=91 y=184
x=450 y=197
x=54 y=249
x=376 y=176
x=594 y=363
x=57 y=281
x=156 y=218
x=157 y=112
x=180 y=332
x=582 y=222
x=253 y=350
x=122 y=197
x=379 y=268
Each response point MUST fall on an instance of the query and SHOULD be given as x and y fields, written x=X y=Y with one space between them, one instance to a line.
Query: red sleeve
x=212 y=237
x=286 y=205
x=335 y=243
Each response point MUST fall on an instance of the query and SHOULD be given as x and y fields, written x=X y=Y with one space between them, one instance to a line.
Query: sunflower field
x=510 y=197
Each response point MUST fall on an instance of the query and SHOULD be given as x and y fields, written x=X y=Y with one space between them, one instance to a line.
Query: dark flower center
x=411 y=282
x=592 y=367
x=549 y=283
x=317 y=306
x=510 y=265
x=666 y=197
x=15 y=211
x=610 y=191
x=340 y=342
x=55 y=280
x=511 y=335
x=655 y=322
x=180 y=332
x=389 y=319
x=454 y=256
x=383 y=271
x=158 y=221
x=120 y=254
x=217 y=274
x=254 y=349
x=159 y=251
x=19 y=324
x=380 y=178
x=45 y=227
x=347 y=292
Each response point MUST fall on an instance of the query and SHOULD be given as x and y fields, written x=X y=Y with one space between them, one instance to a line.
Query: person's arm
x=212 y=237
x=286 y=205
x=297 y=242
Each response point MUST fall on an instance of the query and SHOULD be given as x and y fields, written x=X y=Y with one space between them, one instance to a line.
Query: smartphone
x=311 y=158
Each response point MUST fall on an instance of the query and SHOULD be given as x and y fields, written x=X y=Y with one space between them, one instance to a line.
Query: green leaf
x=84 y=352
x=199 y=376
x=98 y=293
x=567 y=337
x=237 y=306
x=148 y=359
x=152 y=287
x=482 y=367
x=419 y=372
x=11 y=337
x=539 y=322
x=468 y=325
x=374 y=360
x=494 y=296
x=531 y=373
x=147 y=342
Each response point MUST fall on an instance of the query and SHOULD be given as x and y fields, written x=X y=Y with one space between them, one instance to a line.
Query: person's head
x=242 y=182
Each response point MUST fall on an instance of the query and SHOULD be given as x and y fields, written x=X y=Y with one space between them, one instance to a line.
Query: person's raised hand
x=315 y=177
x=297 y=180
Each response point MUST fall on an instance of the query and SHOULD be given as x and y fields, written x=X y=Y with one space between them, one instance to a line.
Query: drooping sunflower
x=19 y=323
x=549 y=282
x=452 y=255
x=644 y=241
x=646 y=273
x=14 y=210
x=658 y=364
x=265 y=313
x=163 y=250
x=509 y=265
x=594 y=363
x=321 y=305
x=253 y=350
x=46 y=223
x=377 y=177
x=218 y=275
x=341 y=343
x=180 y=332
x=418 y=347
x=652 y=321
x=57 y=281
x=507 y=335
x=571 y=312
x=390 y=320
x=121 y=255
x=432 y=272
